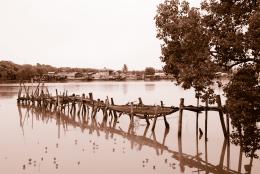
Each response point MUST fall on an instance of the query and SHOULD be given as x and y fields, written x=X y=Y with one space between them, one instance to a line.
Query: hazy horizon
x=81 y=33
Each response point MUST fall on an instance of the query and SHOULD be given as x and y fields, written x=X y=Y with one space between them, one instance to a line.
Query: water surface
x=34 y=141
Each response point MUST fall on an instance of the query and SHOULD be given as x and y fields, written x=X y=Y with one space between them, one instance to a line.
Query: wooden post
x=27 y=94
x=107 y=102
x=206 y=119
x=146 y=119
x=95 y=109
x=57 y=100
x=83 y=105
x=33 y=99
x=50 y=107
x=91 y=100
x=132 y=113
x=227 y=122
x=197 y=115
x=164 y=118
x=98 y=104
x=162 y=104
x=221 y=117
x=105 y=115
x=180 y=116
x=90 y=96
x=155 y=117
x=80 y=103
x=114 y=112
x=36 y=92
x=87 y=109
x=167 y=126
x=140 y=101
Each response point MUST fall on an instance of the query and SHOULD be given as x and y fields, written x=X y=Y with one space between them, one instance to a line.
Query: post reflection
x=109 y=126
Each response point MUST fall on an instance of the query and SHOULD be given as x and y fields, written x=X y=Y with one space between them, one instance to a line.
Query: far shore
x=90 y=81
x=79 y=81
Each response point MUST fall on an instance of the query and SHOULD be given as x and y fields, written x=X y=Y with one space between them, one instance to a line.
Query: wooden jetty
x=40 y=97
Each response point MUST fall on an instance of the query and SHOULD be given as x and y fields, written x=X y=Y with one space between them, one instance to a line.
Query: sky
x=81 y=33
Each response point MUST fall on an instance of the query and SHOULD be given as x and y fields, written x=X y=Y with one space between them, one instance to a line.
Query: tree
x=26 y=72
x=149 y=71
x=199 y=42
x=8 y=70
x=125 y=69
x=220 y=35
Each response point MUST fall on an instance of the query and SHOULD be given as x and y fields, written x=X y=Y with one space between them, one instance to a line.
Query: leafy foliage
x=149 y=71
x=199 y=42
x=125 y=69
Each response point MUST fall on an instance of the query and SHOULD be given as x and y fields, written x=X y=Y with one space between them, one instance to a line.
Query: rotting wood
x=41 y=97
x=155 y=118
x=221 y=117
x=180 y=117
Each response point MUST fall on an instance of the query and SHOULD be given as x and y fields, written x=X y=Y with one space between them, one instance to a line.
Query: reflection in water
x=8 y=91
x=149 y=86
x=110 y=128
x=243 y=107
x=125 y=87
x=7 y=94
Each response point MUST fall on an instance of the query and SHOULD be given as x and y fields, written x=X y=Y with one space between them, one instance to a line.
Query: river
x=40 y=142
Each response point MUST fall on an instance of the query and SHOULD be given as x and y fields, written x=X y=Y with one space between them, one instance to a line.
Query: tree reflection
x=243 y=107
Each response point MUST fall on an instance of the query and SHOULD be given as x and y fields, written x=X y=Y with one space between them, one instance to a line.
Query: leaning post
x=180 y=116
x=221 y=117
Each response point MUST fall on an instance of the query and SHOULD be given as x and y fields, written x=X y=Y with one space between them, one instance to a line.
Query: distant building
x=50 y=76
x=118 y=75
x=51 y=73
x=78 y=75
x=160 y=75
x=70 y=75
x=104 y=74
x=149 y=77
x=89 y=76
x=131 y=76
x=47 y=77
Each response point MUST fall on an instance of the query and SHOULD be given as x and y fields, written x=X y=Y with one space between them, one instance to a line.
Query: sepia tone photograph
x=130 y=86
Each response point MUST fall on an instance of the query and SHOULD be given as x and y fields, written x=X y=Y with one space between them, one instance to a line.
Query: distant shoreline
x=80 y=81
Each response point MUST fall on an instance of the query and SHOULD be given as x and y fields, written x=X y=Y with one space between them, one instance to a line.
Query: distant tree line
x=12 y=71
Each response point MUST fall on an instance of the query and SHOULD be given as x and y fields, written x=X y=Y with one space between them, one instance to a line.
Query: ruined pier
x=85 y=105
